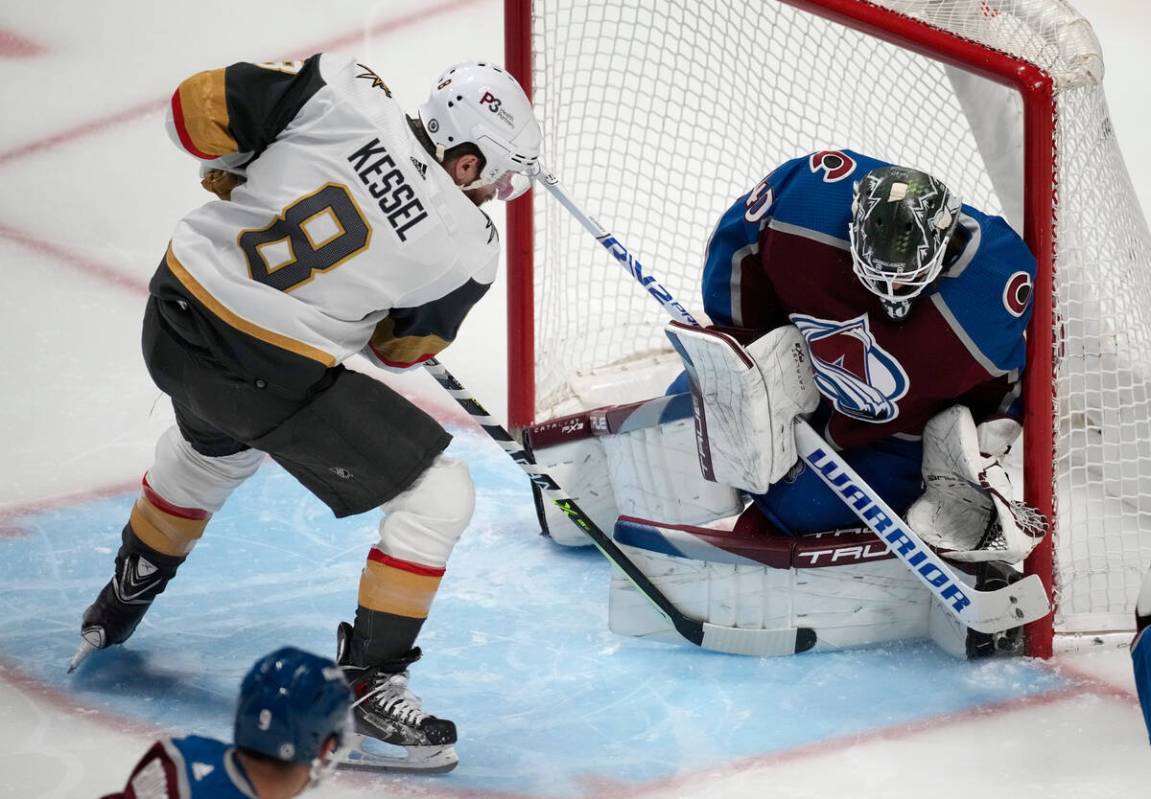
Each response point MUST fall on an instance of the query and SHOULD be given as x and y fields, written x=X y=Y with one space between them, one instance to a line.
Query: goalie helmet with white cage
x=482 y=104
x=902 y=221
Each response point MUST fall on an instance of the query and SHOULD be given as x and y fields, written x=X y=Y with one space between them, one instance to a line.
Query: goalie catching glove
x=966 y=512
x=746 y=400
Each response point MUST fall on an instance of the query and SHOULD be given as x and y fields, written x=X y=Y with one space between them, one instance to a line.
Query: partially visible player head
x=293 y=713
x=479 y=112
x=902 y=221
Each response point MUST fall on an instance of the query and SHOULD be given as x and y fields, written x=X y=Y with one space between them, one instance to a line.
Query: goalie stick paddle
x=984 y=611
x=732 y=640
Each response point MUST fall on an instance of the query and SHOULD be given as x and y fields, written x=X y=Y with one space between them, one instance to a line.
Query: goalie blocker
x=685 y=532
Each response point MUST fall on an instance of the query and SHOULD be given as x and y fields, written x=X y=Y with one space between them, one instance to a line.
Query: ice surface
x=549 y=703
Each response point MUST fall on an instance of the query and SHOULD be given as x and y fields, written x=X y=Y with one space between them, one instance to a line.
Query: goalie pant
x=188 y=768
x=802 y=504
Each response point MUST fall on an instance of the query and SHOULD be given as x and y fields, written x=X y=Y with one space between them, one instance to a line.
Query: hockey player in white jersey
x=344 y=227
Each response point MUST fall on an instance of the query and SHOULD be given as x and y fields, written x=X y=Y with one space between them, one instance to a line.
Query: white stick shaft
x=983 y=611
x=619 y=252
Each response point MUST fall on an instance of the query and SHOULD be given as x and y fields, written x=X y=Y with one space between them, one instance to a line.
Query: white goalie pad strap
x=845 y=586
x=655 y=473
x=967 y=512
x=745 y=402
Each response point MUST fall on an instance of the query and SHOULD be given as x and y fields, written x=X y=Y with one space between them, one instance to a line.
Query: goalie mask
x=484 y=105
x=902 y=221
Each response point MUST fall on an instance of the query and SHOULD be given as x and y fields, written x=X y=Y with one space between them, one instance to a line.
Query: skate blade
x=90 y=641
x=371 y=754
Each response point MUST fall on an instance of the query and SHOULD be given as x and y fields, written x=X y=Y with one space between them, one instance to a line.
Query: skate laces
x=389 y=694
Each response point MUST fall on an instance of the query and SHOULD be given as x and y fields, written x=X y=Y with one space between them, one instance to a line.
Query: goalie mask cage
x=657 y=115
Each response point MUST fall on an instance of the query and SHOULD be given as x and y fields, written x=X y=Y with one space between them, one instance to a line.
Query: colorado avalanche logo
x=1017 y=293
x=862 y=379
x=836 y=165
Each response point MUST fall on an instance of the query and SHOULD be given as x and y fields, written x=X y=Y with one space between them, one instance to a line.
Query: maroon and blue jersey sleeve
x=986 y=299
x=188 y=768
x=730 y=272
x=813 y=193
x=158 y=775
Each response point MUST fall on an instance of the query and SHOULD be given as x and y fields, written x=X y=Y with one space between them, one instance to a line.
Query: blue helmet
x=291 y=702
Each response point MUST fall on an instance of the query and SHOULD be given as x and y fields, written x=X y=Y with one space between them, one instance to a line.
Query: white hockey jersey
x=347 y=236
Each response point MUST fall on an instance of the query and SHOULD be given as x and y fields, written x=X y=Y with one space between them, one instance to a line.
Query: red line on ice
x=157 y=105
x=71 y=706
x=603 y=788
x=614 y=790
x=12 y=513
x=1093 y=683
x=86 y=265
x=1082 y=684
x=13 y=45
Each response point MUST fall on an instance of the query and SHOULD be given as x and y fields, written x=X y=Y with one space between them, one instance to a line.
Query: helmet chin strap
x=478 y=183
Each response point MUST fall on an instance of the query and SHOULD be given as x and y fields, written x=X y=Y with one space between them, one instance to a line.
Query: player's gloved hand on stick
x=221 y=183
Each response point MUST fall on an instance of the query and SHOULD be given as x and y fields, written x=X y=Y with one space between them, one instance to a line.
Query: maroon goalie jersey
x=781 y=255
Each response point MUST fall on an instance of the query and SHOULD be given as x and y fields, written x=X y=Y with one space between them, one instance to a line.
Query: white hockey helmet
x=483 y=104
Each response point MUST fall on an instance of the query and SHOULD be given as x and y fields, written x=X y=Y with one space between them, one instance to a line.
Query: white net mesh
x=659 y=114
x=1103 y=383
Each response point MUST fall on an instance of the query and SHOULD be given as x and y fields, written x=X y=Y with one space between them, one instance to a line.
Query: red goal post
x=634 y=99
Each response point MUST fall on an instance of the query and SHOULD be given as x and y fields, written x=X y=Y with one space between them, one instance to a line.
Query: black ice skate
x=391 y=730
x=992 y=575
x=140 y=575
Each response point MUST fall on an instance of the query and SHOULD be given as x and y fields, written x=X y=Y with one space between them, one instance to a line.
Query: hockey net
x=657 y=115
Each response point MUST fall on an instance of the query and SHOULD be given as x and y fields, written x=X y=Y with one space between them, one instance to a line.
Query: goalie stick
x=732 y=640
x=984 y=611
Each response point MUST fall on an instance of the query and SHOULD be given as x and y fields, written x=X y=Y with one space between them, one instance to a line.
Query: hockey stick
x=732 y=640
x=985 y=611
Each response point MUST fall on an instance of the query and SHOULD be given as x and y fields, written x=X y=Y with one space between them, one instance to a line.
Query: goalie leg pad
x=637 y=460
x=845 y=586
x=745 y=401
